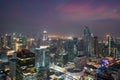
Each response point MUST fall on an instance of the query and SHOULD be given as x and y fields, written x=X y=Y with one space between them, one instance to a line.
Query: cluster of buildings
x=44 y=57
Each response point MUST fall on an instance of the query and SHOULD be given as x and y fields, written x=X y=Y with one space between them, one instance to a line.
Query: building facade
x=25 y=65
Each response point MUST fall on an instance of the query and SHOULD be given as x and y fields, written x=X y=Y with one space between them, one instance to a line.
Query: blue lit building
x=3 y=57
x=42 y=61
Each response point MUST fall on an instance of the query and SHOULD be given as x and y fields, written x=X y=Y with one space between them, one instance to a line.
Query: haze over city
x=59 y=40
x=60 y=16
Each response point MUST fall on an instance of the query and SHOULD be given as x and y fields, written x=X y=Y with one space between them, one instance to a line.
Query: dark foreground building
x=25 y=65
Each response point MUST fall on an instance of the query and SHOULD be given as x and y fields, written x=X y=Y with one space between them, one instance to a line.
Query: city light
x=60 y=40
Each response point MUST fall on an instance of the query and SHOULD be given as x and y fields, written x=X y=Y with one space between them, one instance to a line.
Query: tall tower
x=42 y=61
x=95 y=45
x=41 y=58
x=45 y=37
x=87 y=41
x=112 y=48
x=109 y=44
x=13 y=66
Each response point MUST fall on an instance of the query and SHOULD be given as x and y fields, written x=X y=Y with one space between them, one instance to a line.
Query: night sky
x=60 y=16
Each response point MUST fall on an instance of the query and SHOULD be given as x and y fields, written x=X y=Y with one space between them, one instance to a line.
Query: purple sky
x=60 y=16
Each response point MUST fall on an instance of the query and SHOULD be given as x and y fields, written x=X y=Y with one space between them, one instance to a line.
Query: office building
x=25 y=65
x=2 y=71
x=70 y=48
x=42 y=62
x=95 y=46
x=87 y=42
x=80 y=62
x=13 y=66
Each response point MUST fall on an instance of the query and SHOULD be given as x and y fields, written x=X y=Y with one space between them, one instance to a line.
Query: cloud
x=88 y=11
x=113 y=14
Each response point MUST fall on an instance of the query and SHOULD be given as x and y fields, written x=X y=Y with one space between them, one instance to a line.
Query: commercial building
x=42 y=62
x=2 y=71
x=87 y=42
x=25 y=65
x=80 y=62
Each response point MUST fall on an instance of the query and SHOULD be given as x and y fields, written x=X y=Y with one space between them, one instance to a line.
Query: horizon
x=60 y=17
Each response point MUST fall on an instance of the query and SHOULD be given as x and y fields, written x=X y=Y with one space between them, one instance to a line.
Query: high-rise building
x=42 y=61
x=64 y=58
x=2 y=71
x=70 y=49
x=117 y=42
x=1 y=41
x=109 y=44
x=13 y=67
x=45 y=38
x=25 y=65
x=87 y=42
x=80 y=47
x=80 y=62
x=94 y=46
x=3 y=57
x=112 y=48
x=45 y=35
x=8 y=40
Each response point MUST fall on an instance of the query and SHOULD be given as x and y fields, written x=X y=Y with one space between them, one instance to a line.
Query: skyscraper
x=80 y=62
x=95 y=45
x=112 y=48
x=40 y=58
x=1 y=41
x=87 y=41
x=25 y=65
x=69 y=48
x=45 y=38
x=109 y=44
x=2 y=71
x=13 y=66
x=42 y=61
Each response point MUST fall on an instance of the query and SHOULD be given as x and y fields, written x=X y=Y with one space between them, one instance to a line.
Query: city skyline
x=60 y=17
